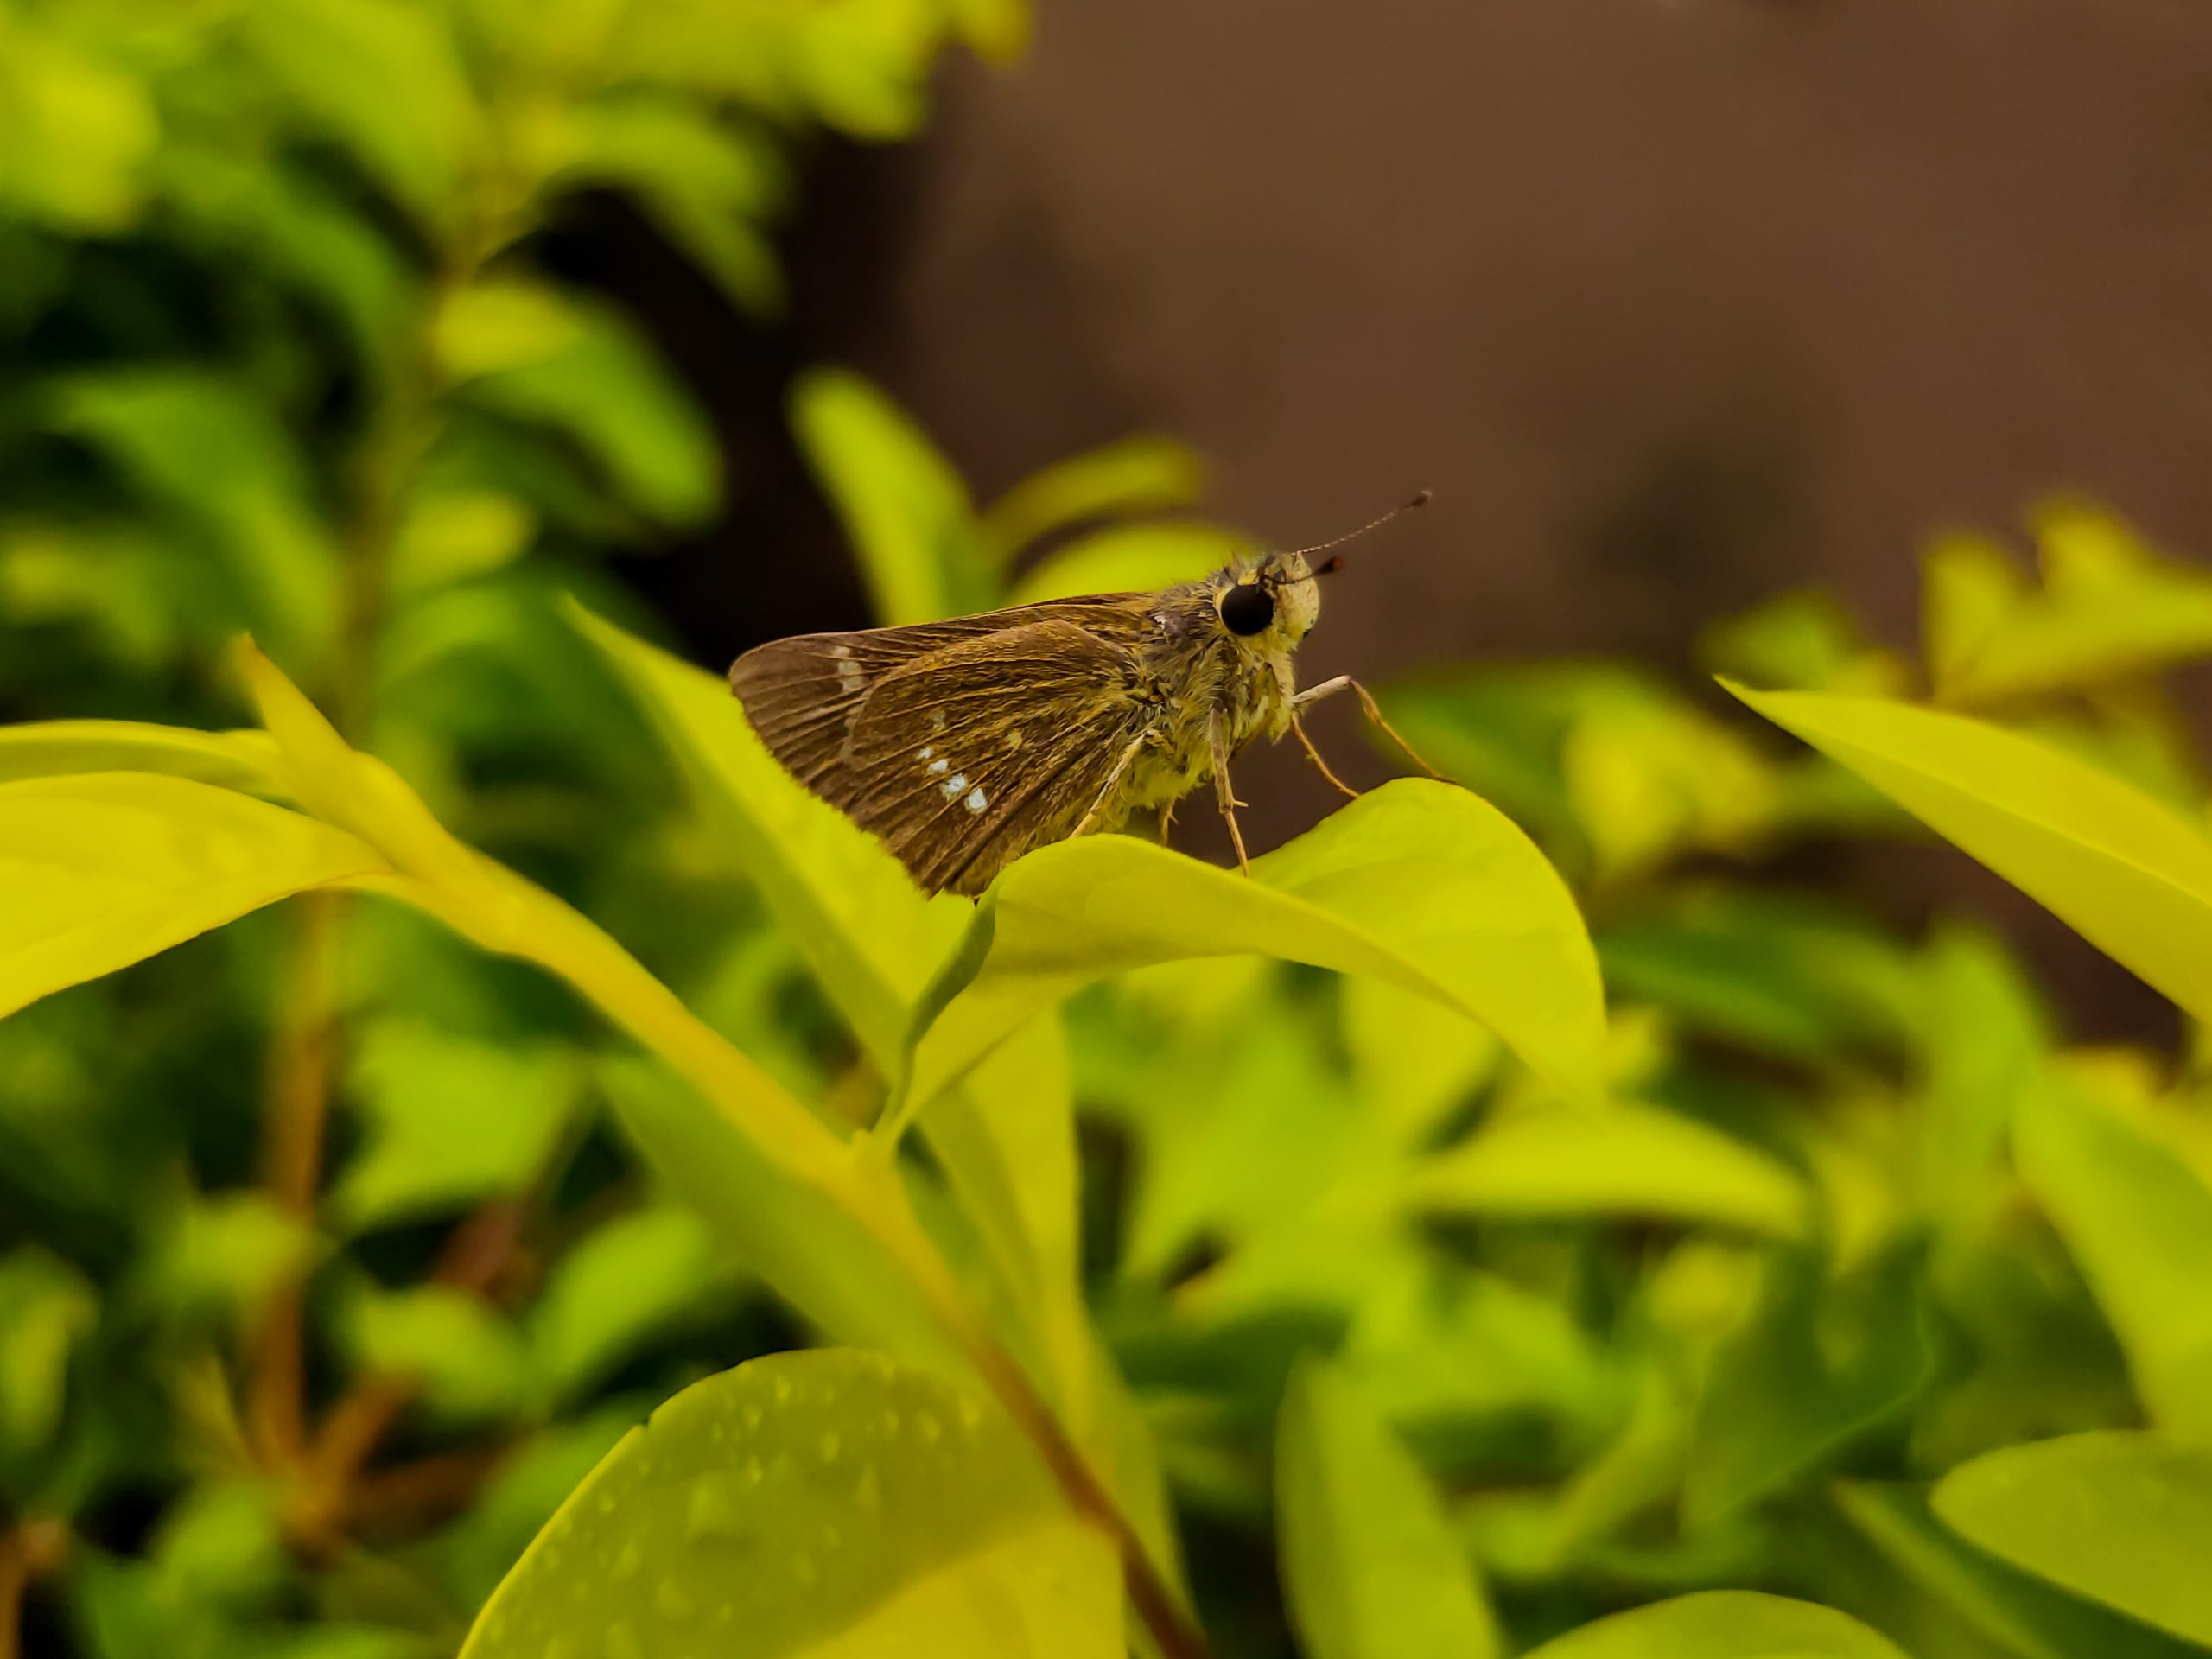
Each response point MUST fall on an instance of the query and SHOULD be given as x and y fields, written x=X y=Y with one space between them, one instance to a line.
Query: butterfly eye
x=1248 y=608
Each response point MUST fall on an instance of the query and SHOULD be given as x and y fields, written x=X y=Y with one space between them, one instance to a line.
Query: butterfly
x=965 y=743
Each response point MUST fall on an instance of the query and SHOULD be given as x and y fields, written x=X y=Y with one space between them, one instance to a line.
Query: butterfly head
x=1271 y=604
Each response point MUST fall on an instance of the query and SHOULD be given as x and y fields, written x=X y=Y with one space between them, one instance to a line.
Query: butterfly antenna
x=1325 y=568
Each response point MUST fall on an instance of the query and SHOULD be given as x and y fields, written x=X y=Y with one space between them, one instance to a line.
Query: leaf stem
x=28 y=1553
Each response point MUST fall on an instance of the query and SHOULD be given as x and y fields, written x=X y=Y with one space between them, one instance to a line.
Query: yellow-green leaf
x=825 y=1503
x=1418 y=883
x=1006 y=1143
x=907 y=511
x=244 y=761
x=2125 y=1519
x=1128 y=559
x=1723 y=1624
x=2108 y=608
x=2138 y=1221
x=1138 y=474
x=866 y=930
x=2122 y=870
x=1371 y=1568
x=1623 y=1161
x=103 y=869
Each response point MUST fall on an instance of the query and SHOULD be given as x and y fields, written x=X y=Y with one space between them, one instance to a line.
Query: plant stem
x=28 y=1553
x=292 y=1136
x=476 y=1256
x=400 y=433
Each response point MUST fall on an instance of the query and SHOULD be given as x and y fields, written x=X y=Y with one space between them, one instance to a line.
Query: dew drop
x=627 y=1563
x=674 y=1602
x=803 y=1570
x=927 y=1426
x=831 y=1445
x=783 y=1386
x=869 y=1494
x=971 y=1415
x=752 y=1416
x=716 y=1510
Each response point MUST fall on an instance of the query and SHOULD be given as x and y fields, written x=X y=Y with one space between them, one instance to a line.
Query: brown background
x=1675 y=303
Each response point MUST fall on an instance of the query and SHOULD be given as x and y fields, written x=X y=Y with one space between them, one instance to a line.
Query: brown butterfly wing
x=962 y=744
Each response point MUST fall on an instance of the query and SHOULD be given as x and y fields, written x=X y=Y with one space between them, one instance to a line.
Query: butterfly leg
x=1223 y=795
x=1345 y=683
x=1313 y=755
x=1106 y=791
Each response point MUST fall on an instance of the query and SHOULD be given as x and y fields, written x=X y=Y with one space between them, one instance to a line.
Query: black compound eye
x=1248 y=608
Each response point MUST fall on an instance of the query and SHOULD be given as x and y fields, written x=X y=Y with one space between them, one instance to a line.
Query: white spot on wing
x=939 y=766
x=954 y=784
x=978 y=800
x=936 y=720
x=926 y=751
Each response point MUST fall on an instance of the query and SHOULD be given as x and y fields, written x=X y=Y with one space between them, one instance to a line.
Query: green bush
x=1516 y=1219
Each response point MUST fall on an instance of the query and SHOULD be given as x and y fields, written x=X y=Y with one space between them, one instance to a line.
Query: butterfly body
x=965 y=743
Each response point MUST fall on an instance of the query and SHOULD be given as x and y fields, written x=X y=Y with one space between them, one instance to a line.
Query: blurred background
x=389 y=330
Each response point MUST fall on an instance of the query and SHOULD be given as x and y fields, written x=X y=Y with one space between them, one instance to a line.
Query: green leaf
x=1417 y=883
x=452 y=1120
x=2125 y=1519
x=2023 y=1614
x=2138 y=1221
x=1986 y=1038
x=2123 y=871
x=1413 y=1061
x=204 y=448
x=997 y=29
x=469 y=1362
x=47 y=1308
x=1824 y=1360
x=104 y=869
x=1129 y=558
x=552 y=361
x=222 y=1255
x=710 y=185
x=1782 y=974
x=243 y=761
x=1137 y=475
x=1800 y=642
x=813 y=1503
x=1371 y=1568
x=905 y=509
x=1625 y=1159
x=1723 y=1624
x=452 y=536
x=76 y=134
x=623 y=1283
x=338 y=61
